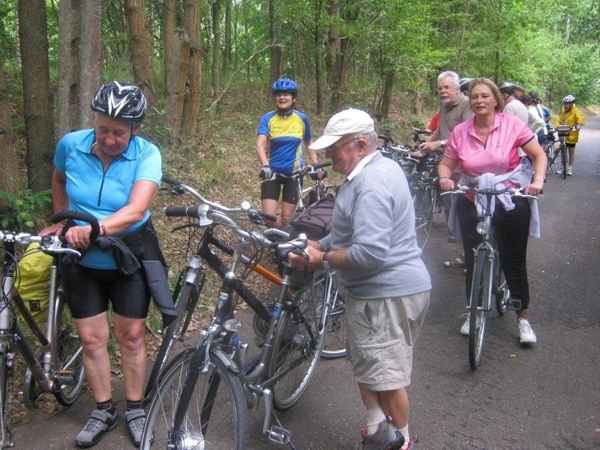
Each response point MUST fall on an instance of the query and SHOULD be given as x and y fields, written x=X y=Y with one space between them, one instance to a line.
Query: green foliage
x=23 y=209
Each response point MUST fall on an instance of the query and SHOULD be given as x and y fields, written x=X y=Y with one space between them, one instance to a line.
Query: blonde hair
x=495 y=91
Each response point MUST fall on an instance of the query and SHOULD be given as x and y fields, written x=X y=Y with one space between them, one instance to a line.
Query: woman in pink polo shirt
x=487 y=148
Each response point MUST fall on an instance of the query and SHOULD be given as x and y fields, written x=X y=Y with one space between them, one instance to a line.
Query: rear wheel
x=68 y=360
x=423 y=215
x=297 y=345
x=477 y=310
x=216 y=417
x=186 y=297
x=5 y=434
x=438 y=215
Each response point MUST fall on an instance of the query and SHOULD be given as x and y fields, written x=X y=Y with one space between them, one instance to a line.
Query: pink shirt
x=498 y=155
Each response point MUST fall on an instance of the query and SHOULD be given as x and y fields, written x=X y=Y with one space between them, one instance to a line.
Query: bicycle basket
x=315 y=220
x=563 y=130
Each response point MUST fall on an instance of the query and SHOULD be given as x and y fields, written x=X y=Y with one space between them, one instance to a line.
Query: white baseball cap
x=350 y=121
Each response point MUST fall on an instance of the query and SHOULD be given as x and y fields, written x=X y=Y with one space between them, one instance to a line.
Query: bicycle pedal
x=279 y=435
x=514 y=304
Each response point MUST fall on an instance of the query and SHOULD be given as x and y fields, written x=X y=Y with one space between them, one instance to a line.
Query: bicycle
x=550 y=148
x=191 y=281
x=563 y=150
x=488 y=279
x=58 y=367
x=203 y=399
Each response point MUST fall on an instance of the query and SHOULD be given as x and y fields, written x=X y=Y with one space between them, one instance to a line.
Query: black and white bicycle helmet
x=534 y=95
x=464 y=84
x=569 y=99
x=507 y=87
x=120 y=101
x=285 y=85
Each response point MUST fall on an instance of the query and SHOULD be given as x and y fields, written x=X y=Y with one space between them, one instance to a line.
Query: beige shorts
x=381 y=336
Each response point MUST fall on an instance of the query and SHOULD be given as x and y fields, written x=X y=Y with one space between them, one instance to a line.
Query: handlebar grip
x=167 y=179
x=84 y=217
x=182 y=211
x=321 y=165
x=267 y=216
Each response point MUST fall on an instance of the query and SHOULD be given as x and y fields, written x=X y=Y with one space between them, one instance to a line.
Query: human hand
x=446 y=183
x=53 y=230
x=265 y=172
x=79 y=236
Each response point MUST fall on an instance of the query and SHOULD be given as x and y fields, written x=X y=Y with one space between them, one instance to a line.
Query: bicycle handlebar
x=302 y=172
x=78 y=215
x=515 y=192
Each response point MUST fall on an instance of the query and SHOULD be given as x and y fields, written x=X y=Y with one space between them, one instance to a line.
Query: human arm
x=445 y=169
x=536 y=123
x=60 y=201
x=261 y=145
x=337 y=259
x=540 y=161
x=433 y=143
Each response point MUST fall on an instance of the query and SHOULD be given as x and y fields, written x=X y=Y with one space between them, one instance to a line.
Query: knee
x=131 y=340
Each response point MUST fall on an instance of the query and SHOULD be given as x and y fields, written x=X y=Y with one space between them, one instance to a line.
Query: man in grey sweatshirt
x=373 y=248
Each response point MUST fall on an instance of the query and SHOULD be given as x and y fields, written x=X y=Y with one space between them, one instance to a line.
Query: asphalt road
x=545 y=397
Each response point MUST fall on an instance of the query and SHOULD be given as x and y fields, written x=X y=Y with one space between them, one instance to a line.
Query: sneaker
x=526 y=334
x=387 y=437
x=412 y=444
x=559 y=172
x=464 y=330
x=136 y=418
x=99 y=423
x=569 y=172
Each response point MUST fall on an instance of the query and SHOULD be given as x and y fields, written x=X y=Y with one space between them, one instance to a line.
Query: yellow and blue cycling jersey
x=286 y=135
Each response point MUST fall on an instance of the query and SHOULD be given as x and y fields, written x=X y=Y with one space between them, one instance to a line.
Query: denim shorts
x=381 y=336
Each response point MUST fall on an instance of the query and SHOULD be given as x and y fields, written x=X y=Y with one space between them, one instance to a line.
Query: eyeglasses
x=334 y=148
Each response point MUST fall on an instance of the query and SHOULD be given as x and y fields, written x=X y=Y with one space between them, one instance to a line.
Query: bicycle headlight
x=483 y=228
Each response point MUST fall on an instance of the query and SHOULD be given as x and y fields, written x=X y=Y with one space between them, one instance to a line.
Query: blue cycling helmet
x=285 y=85
x=120 y=101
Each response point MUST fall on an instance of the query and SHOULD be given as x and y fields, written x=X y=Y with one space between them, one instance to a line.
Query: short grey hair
x=372 y=138
x=449 y=74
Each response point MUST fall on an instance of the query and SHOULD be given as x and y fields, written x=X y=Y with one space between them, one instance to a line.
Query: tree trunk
x=227 y=41
x=216 y=27
x=176 y=81
x=386 y=97
x=339 y=78
x=141 y=48
x=91 y=59
x=277 y=58
x=9 y=170
x=167 y=35
x=334 y=39
x=319 y=56
x=191 y=108
x=69 y=40
x=39 y=127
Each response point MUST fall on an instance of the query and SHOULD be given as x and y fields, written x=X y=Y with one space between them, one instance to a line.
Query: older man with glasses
x=374 y=250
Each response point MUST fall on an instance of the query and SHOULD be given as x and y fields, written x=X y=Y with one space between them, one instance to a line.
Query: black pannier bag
x=315 y=220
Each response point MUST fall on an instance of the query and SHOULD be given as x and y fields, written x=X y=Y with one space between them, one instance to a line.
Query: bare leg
x=393 y=403
x=270 y=207
x=94 y=333
x=130 y=334
x=287 y=210
x=571 y=155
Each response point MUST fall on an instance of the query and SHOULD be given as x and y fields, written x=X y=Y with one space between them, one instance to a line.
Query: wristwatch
x=442 y=142
x=324 y=261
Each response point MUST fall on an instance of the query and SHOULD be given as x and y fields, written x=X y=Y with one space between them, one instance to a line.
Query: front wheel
x=186 y=298
x=501 y=291
x=335 y=340
x=478 y=309
x=298 y=344
x=564 y=154
x=216 y=417
x=70 y=373
x=423 y=215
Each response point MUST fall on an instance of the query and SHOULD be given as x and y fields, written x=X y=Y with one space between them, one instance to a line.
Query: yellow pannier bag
x=33 y=282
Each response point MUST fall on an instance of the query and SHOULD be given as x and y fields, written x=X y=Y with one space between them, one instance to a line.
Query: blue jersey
x=285 y=135
x=92 y=190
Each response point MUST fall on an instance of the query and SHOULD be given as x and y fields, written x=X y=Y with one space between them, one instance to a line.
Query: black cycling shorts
x=88 y=292
x=271 y=190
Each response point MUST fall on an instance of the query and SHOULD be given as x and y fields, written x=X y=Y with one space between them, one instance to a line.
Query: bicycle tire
x=296 y=336
x=5 y=437
x=334 y=345
x=564 y=159
x=227 y=427
x=186 y=299
x=438 y=215
x=423 y=212
x=68 y=355
x=478 y=309
x=501 y=291
x=550 y=152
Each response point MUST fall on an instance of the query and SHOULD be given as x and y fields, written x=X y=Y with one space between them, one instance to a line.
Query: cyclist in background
x=570 y=115
x=282 y=136
x=114 y=175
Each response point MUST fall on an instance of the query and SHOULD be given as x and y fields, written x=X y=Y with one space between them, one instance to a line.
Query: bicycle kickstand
x=276 y=433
